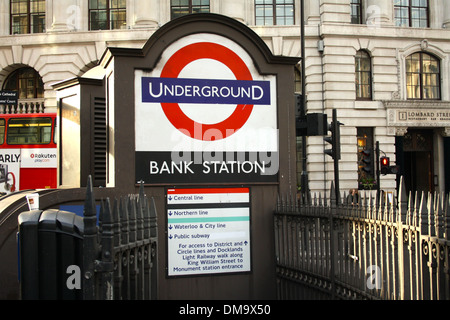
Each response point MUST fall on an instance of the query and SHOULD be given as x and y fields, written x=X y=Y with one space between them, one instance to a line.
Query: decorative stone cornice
x=445 y=132
x=408 y=113
x=401 y=131
x=416 y=104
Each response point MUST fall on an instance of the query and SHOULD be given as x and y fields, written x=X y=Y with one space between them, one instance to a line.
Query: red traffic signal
x=385 y=165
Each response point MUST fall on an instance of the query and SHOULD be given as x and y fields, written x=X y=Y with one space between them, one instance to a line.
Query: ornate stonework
x=430 y=114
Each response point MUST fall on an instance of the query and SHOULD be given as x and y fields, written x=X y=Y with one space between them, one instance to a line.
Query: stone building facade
x=384 y=65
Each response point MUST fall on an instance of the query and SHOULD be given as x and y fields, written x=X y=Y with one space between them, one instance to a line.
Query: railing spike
x=117 y=225
x=139 y=200
x=320 y=200
x=141 y=189
x=146 y=212
x=124 y=220
x=439 y=216
x=416 y=209
x=393 y=210
x=90 y=243
x=369 y=204
x=431 y=216
x=90 y=212
x=447 y=217
x=409 y=217
x=345 y=200
x=333 y=195
x=153 y=219
x=402 y=201
x=291 y=203
x=423 y=222
x=107 y=213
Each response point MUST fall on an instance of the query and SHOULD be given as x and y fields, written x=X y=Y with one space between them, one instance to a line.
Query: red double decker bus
x=28 y=156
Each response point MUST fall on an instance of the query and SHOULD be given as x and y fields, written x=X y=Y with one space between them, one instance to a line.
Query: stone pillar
x=378 y=12
x=4 y=18
x=146 y=13
x=234 y=9
x=65 y=15
x=335 y=11
x=446 y=9
x=312 y=12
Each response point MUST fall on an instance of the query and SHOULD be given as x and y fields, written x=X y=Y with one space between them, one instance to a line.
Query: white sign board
x=39 y=158
x=205 y=113
x=208 y=231
x=9 y=170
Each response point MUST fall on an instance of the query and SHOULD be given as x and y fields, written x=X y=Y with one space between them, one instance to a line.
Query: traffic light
x=335 y=139
x=385 y=166
x=366 y=161
x=311 y=124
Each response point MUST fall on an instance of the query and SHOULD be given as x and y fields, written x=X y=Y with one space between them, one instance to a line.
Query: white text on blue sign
x=205 y=91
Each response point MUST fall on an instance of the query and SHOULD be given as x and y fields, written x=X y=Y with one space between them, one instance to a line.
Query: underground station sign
x=204 y=114
x=208 y=231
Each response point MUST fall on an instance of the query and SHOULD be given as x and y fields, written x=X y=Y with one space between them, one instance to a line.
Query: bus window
x=29 y=131
x=2 y=131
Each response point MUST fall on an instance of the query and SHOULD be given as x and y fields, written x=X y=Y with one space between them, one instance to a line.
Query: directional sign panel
x=9 y=97
x=208 y=231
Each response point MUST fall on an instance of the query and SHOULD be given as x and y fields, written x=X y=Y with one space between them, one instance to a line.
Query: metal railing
x=367 y=248
x=120 y=254
x=65 y=256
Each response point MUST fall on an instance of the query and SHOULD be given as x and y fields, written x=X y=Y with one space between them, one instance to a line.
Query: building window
x=363 y=74
x=180 y=8
x=366 y=174
x=27 y=82
x=423 y=77
x=411 y=13
x=107 y=14
x=356 y=11
x=27 y=16
x=274 y=12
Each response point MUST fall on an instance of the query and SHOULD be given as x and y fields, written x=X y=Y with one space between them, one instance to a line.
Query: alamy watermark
x=211 y=149
x=73 y=281
x=374 y=277
x=373 y=16
x=74 y=16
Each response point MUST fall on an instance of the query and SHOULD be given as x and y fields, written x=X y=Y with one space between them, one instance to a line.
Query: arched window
x=363 y=75
x=423 y=77
x=27 y=82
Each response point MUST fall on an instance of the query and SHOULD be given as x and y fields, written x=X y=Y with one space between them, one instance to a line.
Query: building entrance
x=418 y=160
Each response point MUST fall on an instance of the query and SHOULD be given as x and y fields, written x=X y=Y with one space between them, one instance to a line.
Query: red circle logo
x=173 y=112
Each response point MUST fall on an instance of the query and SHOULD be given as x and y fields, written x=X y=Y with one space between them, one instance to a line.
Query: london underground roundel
x=214 y=51
x=206 y=88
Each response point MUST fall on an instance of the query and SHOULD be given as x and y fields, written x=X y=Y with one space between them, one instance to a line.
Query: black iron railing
x=65 y=256
x=367 y=248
